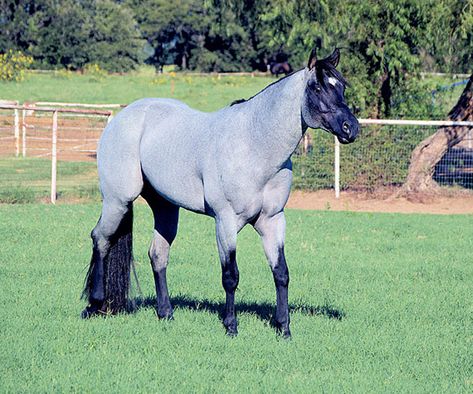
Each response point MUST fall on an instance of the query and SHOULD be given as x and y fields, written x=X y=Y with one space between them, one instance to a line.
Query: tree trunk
x=431 y=150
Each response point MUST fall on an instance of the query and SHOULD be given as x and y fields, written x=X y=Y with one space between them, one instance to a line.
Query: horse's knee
x=158 y=254
x=101 y=242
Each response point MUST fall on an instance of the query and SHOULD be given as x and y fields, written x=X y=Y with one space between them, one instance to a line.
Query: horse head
x=323 y=104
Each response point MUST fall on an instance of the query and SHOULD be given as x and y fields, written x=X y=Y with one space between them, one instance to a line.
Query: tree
x=172 y=29
x=72 y=33
x=447 y=39
x=115 y=42
x=58 y=34
x=430 y=151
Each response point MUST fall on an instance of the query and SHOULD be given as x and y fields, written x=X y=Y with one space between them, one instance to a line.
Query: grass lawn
x=26 y=180
x=400 y=285
x=206 y=93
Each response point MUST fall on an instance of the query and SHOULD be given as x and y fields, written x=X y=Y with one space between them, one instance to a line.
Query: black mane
x=322 y=67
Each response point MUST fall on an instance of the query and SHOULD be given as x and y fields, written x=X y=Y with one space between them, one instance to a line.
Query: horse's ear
x=312 y=59
x=334 y=58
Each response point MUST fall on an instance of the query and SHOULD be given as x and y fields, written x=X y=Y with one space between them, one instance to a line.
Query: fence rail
x=379 y=158
x=43 y=136
x=67 y=137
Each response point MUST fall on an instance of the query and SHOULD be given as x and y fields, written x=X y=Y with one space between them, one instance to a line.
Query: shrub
x=13 y=65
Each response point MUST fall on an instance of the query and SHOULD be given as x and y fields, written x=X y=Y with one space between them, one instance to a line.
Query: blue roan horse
x=233 y=165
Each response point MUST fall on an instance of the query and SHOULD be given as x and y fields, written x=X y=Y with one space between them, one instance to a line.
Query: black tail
x=116 y=269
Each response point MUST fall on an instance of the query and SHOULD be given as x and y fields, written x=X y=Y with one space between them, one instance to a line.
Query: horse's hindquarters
x=172 y=154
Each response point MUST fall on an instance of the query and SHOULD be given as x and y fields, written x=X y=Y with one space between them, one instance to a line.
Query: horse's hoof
x=232 y=332
x=88 y=313
x=165 y=315
x=283 y=332
x=93 y=309
x=286 y=334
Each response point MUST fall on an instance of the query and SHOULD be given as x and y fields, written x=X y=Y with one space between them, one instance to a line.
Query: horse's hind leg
x=166 y=216
x=115 y=215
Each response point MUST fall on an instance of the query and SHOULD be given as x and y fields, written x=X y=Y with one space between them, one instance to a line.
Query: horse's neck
x=277 y=119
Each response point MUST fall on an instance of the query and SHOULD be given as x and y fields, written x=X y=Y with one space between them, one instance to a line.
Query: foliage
x=172 y=29
x=13 y=65
x=447 y=40
x=72 y=33
x=115 y=44
x=385 y=44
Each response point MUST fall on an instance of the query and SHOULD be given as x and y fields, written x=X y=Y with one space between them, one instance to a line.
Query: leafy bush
x=13 y=65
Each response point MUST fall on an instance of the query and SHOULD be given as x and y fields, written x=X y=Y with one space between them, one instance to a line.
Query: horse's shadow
x=264 y=311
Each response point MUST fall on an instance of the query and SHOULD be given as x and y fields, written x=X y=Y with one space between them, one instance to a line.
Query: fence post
x=54 y=159
x=337 y=168
x=17 y=133
x=23 y=132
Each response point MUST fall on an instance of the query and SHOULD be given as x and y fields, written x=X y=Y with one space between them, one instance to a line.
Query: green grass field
x=207 y=93
x=401 y=286
x=27 y=180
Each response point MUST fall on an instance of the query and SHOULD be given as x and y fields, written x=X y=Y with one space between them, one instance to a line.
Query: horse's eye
x=317 y=89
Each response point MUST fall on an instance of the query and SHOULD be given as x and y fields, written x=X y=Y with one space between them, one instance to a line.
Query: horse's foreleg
x=226 y=242
x=272 y=230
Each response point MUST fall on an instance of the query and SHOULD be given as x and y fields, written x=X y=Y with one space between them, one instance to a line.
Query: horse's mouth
x=343 y=140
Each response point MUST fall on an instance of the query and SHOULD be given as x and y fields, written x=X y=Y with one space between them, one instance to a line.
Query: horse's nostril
x=346 y=127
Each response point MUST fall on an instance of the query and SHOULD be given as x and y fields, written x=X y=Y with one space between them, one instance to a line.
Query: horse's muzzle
x=349 y=132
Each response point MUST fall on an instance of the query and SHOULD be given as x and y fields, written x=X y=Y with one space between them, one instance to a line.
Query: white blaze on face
x=332 y=81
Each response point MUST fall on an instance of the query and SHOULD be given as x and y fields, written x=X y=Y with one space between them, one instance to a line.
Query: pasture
x=380 y=303
x=205 y=92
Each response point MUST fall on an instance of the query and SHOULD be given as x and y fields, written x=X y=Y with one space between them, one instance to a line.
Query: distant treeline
x=382 y=41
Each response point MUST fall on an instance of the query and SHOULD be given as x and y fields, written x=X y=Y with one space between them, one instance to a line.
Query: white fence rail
x=379 y=144
x=432 y=124
x=53 y=138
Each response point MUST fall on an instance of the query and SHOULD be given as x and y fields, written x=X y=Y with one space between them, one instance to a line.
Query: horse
x=280 y=68
x=233 y=165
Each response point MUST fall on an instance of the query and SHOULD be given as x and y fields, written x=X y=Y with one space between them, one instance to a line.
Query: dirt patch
x=361 y=202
